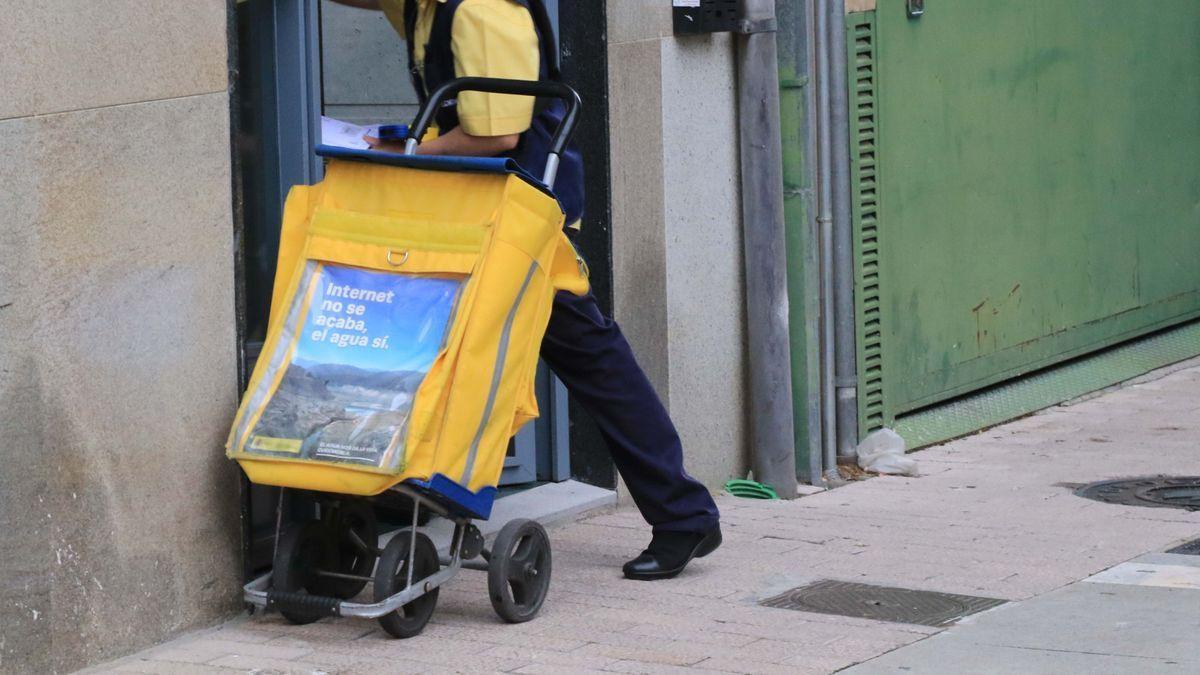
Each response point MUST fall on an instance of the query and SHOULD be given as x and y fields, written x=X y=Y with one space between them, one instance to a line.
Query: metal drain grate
x=882 y=603
x=1175 y=492
x=1190 y=548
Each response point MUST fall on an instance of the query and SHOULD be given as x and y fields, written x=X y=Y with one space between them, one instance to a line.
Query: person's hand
x=383 y=146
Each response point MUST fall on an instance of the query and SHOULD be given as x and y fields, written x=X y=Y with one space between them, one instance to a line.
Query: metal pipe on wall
x=772 y=440
x=797 y=110
x=821 y=22
x=845 y=356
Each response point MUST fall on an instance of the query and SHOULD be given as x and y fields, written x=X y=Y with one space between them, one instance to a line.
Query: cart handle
x=492 y=85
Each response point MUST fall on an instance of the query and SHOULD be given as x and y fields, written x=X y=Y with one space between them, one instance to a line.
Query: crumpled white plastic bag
x=883 y=452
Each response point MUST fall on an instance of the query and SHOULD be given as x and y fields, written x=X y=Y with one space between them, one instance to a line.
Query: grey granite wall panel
x=639 y=254
x=61 y=55
x=117 y=380
x=705 y=290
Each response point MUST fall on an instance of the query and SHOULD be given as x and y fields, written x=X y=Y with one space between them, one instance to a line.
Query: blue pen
x=393 y=132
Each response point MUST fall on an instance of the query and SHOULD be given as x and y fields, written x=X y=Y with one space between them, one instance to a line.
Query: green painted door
x=1027 y=187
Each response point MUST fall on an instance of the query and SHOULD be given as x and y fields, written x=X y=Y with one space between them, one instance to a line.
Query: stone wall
x=117 y=330
x=677 y=253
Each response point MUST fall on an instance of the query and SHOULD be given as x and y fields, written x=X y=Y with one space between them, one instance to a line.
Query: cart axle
x=303 y=602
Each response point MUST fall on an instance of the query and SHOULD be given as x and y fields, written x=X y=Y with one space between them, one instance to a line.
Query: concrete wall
x=117 y=329
x=364 y=67
x=677 y=256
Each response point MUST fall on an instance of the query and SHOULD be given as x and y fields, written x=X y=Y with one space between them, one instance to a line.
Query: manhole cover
x=882 y=603
x=1190 y=548
x=1175 y=492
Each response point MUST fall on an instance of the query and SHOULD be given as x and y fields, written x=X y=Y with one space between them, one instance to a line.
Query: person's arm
x=494 y=39
x=457 y=142
x=360 y=4
x=488 y=40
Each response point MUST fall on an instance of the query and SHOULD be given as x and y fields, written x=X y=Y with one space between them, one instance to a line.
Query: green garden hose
x=750 y=489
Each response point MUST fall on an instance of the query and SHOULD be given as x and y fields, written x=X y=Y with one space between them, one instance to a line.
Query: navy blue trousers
x=587 y=351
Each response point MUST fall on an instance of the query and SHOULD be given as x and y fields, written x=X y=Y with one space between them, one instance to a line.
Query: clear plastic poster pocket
x=355 y=347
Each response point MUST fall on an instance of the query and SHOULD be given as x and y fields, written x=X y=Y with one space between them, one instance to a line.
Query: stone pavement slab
x=1083 y=628
x=991 y=515
x=954 y=656
x=1150 y=574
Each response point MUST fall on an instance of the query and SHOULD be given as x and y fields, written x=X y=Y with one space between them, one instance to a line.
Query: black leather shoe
x=670 y=552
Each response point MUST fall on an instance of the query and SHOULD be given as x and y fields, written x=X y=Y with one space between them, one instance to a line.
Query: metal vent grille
x=881 y=603
x=1190 y=548
x=864 y=177
x=1171 y=492
x=720 y=12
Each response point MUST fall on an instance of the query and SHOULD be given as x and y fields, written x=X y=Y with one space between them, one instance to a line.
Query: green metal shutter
x=864 y=177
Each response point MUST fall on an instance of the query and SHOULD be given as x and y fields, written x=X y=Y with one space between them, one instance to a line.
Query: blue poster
x=364 y=347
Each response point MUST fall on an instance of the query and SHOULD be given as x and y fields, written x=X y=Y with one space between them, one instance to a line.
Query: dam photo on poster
x=366 y=343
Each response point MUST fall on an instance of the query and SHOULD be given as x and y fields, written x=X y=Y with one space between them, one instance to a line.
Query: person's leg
x=590 y=355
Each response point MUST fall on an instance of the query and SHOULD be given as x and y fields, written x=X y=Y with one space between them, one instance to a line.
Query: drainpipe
x=772 y=441
x=797 y=112
x=845 y=355
x=822 y=10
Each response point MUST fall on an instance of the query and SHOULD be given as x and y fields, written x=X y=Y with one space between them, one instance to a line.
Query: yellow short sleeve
x=494 y=38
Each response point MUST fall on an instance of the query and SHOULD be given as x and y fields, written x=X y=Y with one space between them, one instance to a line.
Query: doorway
x=297 y=60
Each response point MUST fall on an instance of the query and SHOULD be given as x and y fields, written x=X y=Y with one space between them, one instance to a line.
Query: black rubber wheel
x=358 y=517
x=301 y=552
x=391 y=577
x=519 y=570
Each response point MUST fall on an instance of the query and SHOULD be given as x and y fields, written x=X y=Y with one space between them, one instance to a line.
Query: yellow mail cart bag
x=410 y=301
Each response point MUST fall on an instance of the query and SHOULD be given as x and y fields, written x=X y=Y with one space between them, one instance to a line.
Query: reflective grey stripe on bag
x=497 y=373
x=287 y=334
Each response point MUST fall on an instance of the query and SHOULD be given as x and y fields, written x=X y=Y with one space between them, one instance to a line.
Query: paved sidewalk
x=988 y=517
x=1138 y=617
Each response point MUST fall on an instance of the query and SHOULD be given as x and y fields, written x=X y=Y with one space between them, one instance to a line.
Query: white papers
x=344 y=134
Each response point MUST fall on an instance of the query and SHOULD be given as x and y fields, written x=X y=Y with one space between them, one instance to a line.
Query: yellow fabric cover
x=502 y=233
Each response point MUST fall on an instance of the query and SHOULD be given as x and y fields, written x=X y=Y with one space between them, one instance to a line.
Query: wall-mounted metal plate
x=704 y=16
x=882 y=603
x=1168 y=492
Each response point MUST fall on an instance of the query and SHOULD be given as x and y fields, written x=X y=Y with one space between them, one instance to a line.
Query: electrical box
x=704 y=16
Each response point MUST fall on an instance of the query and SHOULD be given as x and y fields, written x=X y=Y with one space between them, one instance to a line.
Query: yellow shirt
x=489 y=38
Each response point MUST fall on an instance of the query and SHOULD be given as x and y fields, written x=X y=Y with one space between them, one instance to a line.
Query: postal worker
x=513 y=39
